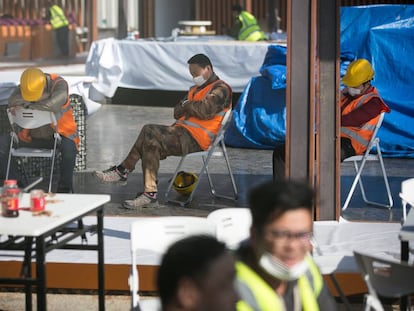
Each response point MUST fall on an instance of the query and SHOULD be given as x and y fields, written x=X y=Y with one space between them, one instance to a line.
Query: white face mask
x=279 y=270
x=353 y=91
x=199 y=80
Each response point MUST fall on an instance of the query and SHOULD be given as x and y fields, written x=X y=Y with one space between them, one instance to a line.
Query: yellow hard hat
x=184 y=182
x=358 y=72
x=32 y=84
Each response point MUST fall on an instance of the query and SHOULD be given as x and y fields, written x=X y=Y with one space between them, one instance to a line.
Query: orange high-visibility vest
x=203 y=131
x=360 y=136
x=66 y=123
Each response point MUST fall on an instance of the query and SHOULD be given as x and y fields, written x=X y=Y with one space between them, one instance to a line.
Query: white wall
x=169 y=12
x=108 y=14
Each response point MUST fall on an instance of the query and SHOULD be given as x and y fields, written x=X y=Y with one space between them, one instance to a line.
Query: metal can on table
x=37 y=200
x=10 y=199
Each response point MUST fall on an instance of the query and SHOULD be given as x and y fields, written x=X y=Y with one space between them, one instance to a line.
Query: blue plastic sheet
x=383 y=34
x=259 y=116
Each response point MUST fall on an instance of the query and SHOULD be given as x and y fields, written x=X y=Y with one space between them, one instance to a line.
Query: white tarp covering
x=156 y=65
x=336 y=240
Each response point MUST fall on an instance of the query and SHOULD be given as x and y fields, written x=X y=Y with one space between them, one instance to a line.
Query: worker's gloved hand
x=24 y=136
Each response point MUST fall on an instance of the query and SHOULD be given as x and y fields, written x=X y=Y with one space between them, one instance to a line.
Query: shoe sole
x=149 y=205
x=118 y=182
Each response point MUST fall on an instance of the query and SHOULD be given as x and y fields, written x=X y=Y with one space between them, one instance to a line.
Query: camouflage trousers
x=154 y=143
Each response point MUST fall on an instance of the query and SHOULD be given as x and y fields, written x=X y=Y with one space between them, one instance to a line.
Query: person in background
x=197 y=274
x=361 y=106
x=60 y=24
x=43 y=91
x=245 y=26
x=197 y=120
x=275 y=270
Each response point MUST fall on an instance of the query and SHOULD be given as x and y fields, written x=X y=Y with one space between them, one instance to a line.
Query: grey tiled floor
x=112 y=130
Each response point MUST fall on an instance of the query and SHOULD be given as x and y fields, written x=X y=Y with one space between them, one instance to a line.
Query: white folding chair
x=367 y=156
x=153 y=235
x=232 y=225
x=407 y=195
x=31 y=119
x=206 y=156
x=385 y=278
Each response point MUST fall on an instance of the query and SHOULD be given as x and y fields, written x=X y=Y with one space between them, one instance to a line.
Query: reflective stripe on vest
x=65 y=121
x=250 y=30
x=258 y=295
x=360 y=136
x=57 y=19
x=203 y=131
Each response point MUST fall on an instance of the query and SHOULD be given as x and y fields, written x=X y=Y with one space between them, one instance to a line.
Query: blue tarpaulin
x=383 y=34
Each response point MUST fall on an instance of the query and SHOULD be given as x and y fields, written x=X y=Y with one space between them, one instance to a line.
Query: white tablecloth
x=155 y=65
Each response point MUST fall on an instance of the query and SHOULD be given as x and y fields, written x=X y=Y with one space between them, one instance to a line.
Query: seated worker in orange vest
x=197 y=121
x=42 y=91
x=361 y=106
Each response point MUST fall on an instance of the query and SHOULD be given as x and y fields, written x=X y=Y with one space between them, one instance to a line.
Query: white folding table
x=52 y=232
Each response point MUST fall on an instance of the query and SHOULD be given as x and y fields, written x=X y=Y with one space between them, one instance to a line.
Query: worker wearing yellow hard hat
x=361 y=106
x=32 y=84
x=47 y=92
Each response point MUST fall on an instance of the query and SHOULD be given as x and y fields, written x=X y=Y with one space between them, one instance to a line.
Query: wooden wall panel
x=81 y=12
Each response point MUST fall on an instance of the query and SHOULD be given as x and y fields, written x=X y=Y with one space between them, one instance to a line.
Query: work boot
x=112 y=174
x=142 y=201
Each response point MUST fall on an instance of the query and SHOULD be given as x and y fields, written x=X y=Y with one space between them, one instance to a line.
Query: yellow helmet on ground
x=358 y=72
x=32 y=84
x=184 y=182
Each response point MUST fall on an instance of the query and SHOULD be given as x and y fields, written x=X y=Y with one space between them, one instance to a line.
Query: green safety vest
x=257 y=295
x=250 y=30
x=57 y=17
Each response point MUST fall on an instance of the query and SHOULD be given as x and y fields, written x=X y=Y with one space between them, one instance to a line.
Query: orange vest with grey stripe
x=203 y=131
x=66 y=123
x=360 y=136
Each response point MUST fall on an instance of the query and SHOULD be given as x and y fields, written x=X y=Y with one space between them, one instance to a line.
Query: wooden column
x=327 y=174
x=312 y=147
x=299 y=120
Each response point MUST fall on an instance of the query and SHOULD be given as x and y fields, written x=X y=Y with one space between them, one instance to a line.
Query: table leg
x=404 y=301
x=41 y=273
x=404 y=251
x=27 y=271
x=101 y=262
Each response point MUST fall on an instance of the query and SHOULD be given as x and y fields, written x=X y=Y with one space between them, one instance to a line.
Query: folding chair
x=367 y=156
x=153 y=235
x=385 y=278
x=206 y=156
x=232 y=225
x=407 y=195
x=31 y=119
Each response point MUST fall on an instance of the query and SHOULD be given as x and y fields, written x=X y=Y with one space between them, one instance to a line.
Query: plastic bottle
x=10 y=199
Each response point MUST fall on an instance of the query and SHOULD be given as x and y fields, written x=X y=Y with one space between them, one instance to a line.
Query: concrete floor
x=112 y=130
